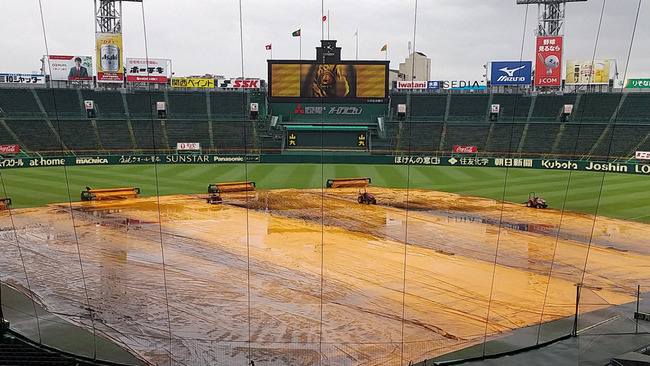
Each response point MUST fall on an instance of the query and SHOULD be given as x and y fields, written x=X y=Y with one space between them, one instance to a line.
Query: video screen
x=359 y=82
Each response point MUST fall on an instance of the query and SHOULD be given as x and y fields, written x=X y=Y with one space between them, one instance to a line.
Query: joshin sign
x=547 y=61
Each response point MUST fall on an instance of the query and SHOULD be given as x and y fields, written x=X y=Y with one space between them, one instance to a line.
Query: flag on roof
x=384 y=47
x=296 y=33
x=268 y=46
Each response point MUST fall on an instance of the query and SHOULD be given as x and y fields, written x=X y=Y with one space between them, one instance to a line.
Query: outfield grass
x=624 y=196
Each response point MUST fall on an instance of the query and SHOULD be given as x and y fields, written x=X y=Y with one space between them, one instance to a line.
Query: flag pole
x=356 y=48
x=328 y=24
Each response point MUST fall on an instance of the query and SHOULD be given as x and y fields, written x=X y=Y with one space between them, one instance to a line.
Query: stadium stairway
x=13 y=351
x=62 y=343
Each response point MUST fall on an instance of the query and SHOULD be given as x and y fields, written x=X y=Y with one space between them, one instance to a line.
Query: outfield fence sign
x=644 y=155
x=424 y=160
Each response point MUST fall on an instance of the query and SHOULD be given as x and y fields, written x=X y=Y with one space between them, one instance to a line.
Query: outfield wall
x=642 y=167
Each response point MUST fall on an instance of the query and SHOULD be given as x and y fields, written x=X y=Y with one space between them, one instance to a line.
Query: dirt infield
x=304 y=274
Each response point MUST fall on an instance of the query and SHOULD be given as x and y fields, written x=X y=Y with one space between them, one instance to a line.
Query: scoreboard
x=330 y=137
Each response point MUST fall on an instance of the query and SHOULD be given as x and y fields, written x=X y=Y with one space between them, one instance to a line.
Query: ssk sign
x=6 y=149
x=246 y=84
x=465 y=149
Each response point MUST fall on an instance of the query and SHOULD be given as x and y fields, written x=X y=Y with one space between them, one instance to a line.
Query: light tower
x=550 y=16
x=108 y=40
x=108 y=16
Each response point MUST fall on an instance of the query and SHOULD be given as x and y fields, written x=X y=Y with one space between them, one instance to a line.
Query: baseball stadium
x=330 y=214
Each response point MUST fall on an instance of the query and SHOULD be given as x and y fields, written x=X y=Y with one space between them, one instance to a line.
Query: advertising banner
x=637 y=83
x=330 y=111
x=9 y=149
x=188 y=146
x=74 y=68
x=547 y=63
x=511 y=72
x=645 y=155
x=465 y=149
x=192 y=83
x=464 y=160
x=420 y=85
x=22 y=78
x=462 y=84
x=412 y=85
x=142 y=70
x=109 y=58
x=584 y=72
x=250 y=83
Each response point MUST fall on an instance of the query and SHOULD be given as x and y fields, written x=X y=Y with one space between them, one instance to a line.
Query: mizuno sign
x=511 y=72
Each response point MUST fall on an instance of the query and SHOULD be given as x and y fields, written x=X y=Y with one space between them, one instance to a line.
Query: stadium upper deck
x=54 y=121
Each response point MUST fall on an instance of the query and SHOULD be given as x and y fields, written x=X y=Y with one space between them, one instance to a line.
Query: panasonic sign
x=511 y=72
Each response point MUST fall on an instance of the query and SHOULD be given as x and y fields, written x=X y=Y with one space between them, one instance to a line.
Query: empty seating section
x=596 y=107
x=19 y=103
x=540 y=138
x=149 y=135
x=468 y=107
x=7 y=138
x=644 y=140
x=434 y=122
x=420 y=136
x=115 y=136
x=107 y=104
x=512 y=106
x=35 y=135
x=578 y=139
x=61 y=103
x=396 y=99
x=620 y=140
x=505 y=137
x=19 y=353
x=548 y=107
x=432 y=107
x=233 y=136
x=392 y=133
x=228 y=105
x=78 y=135
x=143 y=104
x=187 y=105
x=465 y=135
x=188 y=131
x=635 y=108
